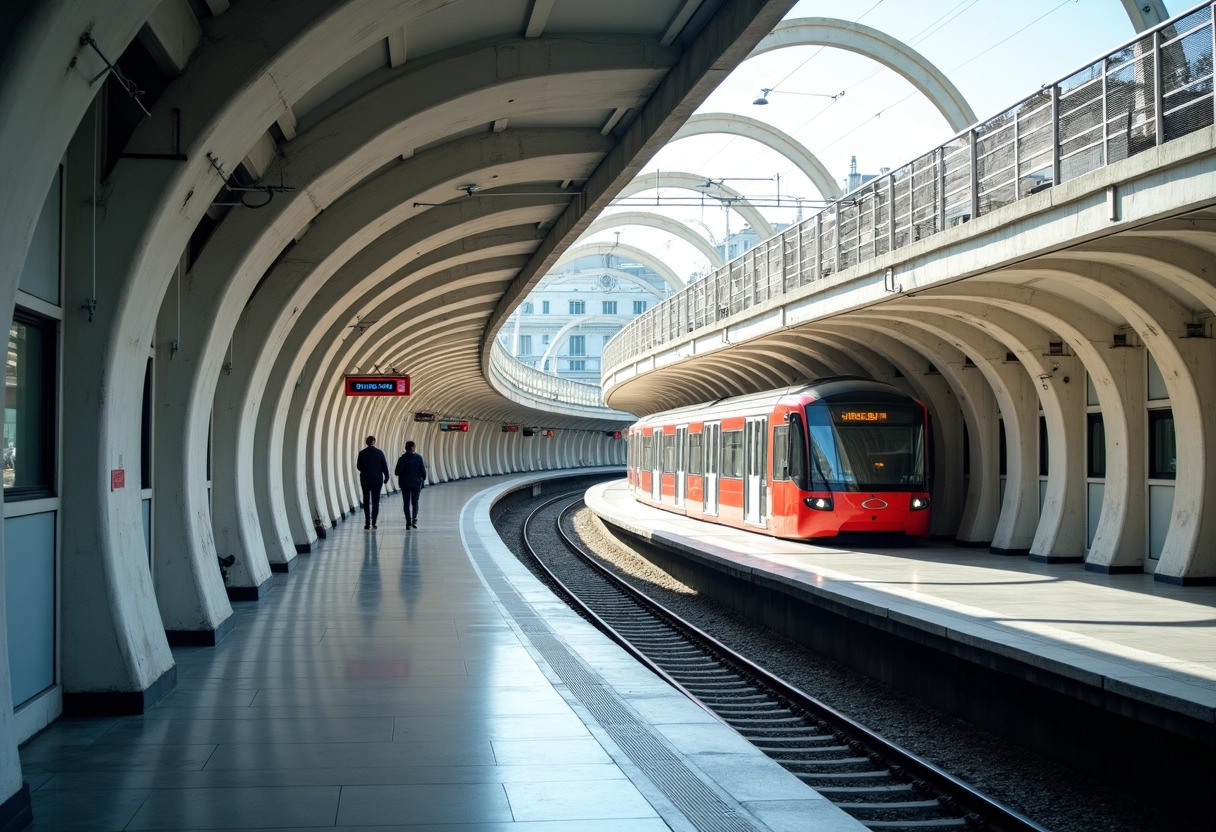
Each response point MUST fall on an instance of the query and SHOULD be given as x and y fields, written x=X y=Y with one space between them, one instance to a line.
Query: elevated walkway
x=1099 y=667
x=410 y=678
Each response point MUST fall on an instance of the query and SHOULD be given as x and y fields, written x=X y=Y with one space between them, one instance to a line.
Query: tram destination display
x=377 y=385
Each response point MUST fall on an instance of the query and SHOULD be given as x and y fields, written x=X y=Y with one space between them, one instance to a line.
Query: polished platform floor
x=1147 y=640
x=413 y=680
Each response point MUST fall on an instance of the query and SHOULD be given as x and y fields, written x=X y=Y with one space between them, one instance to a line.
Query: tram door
x=713 y=450
x=656 y=473
x=755 y=458
x=681 y=463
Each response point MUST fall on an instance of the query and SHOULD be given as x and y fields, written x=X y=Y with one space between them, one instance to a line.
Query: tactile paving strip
x=702 y=805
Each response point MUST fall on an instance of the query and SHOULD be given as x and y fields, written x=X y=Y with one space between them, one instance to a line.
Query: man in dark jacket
x=411 y=476
x=373 y=474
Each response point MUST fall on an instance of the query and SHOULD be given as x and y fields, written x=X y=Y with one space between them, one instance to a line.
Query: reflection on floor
x=377 y=685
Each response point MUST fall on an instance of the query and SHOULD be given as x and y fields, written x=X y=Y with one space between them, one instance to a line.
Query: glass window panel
x=29 y=407
x=1044 y=449
x=40 y=273
x=1091 y=392
x=1096 y=455
x=1156 y=383
x=1163 y=447
x=781 y=441
x=578 y=344
x=694 y=453
x=732 y=453
x=669 y=454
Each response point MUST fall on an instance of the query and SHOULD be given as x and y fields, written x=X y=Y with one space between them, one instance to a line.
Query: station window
x=145 y=432
x=608 y=307
x=1044 y=450
x=694 y=454
x=29 y=408
x=1002 y=451
x=781 y=453
x=1096 y=445
x=1163 y=448
x=732 y=454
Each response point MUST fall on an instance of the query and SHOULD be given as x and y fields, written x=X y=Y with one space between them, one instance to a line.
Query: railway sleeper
x=874 y=792
x=831 y=764
x=916 y=825
x=795 y=754
x=881 y=807
x=793 y=742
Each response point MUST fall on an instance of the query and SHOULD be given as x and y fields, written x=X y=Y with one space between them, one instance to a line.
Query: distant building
x=738 y=242
x=564 y=323
x=855 y=180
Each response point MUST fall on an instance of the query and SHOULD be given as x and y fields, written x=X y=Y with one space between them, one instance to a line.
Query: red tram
x=841 y=454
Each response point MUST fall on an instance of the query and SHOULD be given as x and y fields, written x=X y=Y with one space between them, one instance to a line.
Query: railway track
x=881 y=785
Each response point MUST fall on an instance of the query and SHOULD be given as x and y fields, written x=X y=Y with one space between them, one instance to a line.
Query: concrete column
x=189 y=588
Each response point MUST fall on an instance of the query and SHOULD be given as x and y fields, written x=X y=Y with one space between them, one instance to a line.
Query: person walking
x=373 y=474
x=411 y=476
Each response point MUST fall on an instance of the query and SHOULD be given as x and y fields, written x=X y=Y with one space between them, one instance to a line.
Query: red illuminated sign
x=454 y=425
x=118 y=479
x=510 y=428
x=377 y=385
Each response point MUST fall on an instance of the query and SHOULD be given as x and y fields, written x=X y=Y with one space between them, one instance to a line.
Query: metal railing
x=511 y=372
x=1152 y=90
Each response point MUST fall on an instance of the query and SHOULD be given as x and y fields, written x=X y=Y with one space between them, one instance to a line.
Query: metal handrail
x=515 y=374
x=1153 y=89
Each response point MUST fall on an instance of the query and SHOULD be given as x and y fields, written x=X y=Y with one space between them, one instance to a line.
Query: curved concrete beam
x=699 y=184
x=768 y=135
x=1145 y=14
x=892 y=53
x=660 y=222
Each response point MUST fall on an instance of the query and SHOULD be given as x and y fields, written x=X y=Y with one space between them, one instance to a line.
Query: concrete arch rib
x=1145 y=14
x=644 y=257
x=562 y=334
x=699 y=184
x=766 y=134
x=892 y=53
x=660 y=222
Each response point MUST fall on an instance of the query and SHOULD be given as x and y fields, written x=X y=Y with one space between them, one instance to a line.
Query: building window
x=544 y=307
x=29 y=408
x=1096 y=458
x=578 y=307
x=1163 y=448
x=544 y=339
x=525 y=345
x=529 y=307
x=608 y=307
x=578 y=366
x=578 y=345
x=639 y=306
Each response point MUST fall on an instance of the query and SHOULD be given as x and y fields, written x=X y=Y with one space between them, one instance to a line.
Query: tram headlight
x=818 y=503
x=919 y=503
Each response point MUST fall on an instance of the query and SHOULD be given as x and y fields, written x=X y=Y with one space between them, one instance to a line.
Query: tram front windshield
x=866 y=447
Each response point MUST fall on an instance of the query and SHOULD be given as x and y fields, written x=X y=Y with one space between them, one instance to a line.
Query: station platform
x=1124 y=644
x=414 y=680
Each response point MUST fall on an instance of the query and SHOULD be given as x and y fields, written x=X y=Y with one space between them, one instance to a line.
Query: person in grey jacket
x=411 y=476
x=373 y=474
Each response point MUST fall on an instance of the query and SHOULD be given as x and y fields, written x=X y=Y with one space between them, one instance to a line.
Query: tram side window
x=29 y=408
x=797 y=451
x=648 y=453
x=1096 y=458
x=669 y=454
x=694 y=454
x=732 y=454
x=781 y=453
x=1163 y=448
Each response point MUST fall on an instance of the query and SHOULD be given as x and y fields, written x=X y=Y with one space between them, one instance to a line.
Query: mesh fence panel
x=1186 y=75
x=956 y=159
x=1131 y=109
x=827 y=242
x=903 y=206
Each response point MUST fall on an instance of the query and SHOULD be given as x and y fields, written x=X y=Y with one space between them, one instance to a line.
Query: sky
x=996 y=52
